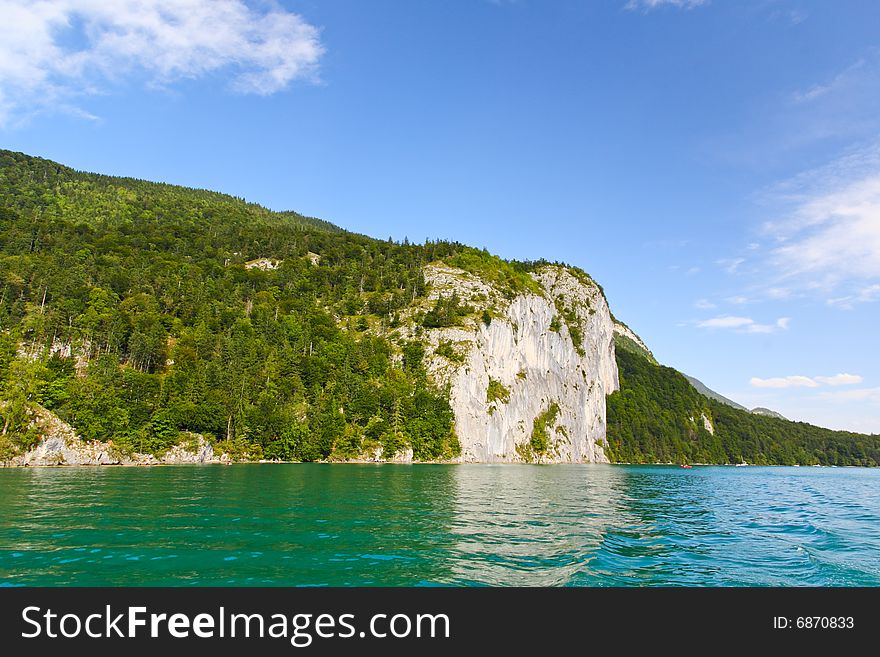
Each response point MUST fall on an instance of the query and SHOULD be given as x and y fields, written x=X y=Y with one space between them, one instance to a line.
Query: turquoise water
x=590 y=525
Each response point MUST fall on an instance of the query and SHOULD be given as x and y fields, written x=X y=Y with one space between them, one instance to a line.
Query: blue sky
x=715 y=165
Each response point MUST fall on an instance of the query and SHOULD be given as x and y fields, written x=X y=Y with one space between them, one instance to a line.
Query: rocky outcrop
x=625 y=338
x=624 y=330
x=59 y=444
x=265 y=264
x=707 y=424
x=57 y=450
x=529 y=385
x=194 y=449
x=760 y=410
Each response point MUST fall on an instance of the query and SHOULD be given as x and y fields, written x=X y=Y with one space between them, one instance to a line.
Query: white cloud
x=55 y=51
x=836 y=236
x=647 y=5
x=828 y=236
x=744 y=324
x=800 y=381
x=738 y=300
x=777 y=293
x=840 y=379
x=727 y=321
x=704 y=304
x=784 y=382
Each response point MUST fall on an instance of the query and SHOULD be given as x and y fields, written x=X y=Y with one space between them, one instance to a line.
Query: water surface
x=398 y=525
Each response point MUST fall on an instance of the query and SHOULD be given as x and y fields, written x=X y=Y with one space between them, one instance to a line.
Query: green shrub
x=447 y=350
x=497 y=391
x=540 y=440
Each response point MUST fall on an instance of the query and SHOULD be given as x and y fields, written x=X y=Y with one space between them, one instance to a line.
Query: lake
x=463 y=525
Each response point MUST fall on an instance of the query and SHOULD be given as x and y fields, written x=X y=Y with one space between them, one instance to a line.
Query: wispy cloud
x=823 y=240
x=648 y=5
x=777 y=293
x=842 y=105
x=857 y=395
x=850 y=301
x=730 y=265
x=743 y=324
x=704 y=304
x=54 y=52
x=850 y=75
x=835 y=236
x=800 y=381
x=827 y=230
x=797 y=17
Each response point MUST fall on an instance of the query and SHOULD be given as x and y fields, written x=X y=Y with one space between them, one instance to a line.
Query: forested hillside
x=656 y=417
x=146 y=289
x=136 y=311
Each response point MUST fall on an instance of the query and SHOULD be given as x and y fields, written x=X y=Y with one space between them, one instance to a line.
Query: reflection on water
x=439 y=525
x=520 y=525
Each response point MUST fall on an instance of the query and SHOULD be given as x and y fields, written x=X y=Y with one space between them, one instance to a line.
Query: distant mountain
x=766 y=411
x=706 y=391
x=703 y=389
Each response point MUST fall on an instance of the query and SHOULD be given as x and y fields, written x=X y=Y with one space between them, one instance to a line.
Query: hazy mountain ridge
x=759 y=410
x=705 y=390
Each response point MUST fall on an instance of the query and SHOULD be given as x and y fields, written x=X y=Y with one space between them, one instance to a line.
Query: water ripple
x=318 y=525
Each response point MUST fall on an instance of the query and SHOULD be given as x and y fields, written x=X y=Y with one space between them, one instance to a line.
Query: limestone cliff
x=527 y=376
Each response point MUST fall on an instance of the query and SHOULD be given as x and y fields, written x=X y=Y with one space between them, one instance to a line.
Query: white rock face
x=532 y=355
x=404 y=456
x=56 y=450
x=198 y=451
x=265 y=264
x=622 y=329
x=707 y=424
x=60 y=445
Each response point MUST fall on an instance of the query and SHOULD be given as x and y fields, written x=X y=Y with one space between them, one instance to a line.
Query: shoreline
x=160 y=464
x=61 y=447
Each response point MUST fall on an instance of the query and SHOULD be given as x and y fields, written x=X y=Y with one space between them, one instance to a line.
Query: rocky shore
x=59 y=444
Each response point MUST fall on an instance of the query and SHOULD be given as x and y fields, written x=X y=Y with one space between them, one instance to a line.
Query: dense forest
x=144 y=290
x=657 y=417
x=137 y=311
